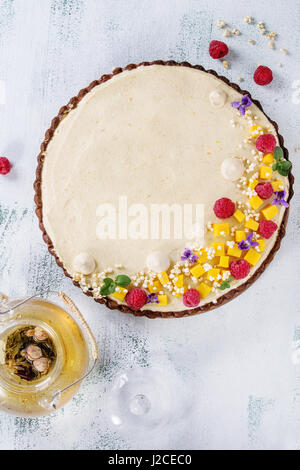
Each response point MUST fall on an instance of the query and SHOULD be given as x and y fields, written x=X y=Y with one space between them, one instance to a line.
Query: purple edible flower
x=152 y=298
x=243 y=104
x=188 y=255
x=244 y=245
x=279 y=199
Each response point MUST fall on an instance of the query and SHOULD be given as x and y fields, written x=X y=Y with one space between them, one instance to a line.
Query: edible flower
x=188 y=255
x=242 y=105
x=279 y=199
x=244 y=245
x=152 y=298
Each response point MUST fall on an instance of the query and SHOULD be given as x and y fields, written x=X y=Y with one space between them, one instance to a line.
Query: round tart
x=170 y=134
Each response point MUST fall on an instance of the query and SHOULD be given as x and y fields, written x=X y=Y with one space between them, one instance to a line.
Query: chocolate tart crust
x=111 y=304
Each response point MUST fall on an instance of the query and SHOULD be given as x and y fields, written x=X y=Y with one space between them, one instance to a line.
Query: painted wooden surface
x=234 y=364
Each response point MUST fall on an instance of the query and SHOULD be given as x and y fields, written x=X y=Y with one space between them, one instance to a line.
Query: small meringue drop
x=84 y=264
x=158 y=261
x=218 y=98
x=232 y=169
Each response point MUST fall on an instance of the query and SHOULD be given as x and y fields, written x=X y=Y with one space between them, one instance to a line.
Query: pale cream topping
x=153 y=135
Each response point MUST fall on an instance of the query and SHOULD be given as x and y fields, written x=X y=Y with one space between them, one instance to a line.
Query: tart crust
x=110 y=303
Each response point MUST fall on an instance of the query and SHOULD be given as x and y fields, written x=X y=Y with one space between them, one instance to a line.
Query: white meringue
x=158 y=261
x=218 y=98
x=232 y=169
x=84 y=264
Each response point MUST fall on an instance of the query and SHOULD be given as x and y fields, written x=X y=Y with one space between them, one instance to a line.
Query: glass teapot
x=46 y=350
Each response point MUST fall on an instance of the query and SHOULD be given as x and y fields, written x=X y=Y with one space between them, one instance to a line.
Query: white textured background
x=235 y=363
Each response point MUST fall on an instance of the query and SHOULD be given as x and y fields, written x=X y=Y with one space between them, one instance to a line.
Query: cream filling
x=152 y=135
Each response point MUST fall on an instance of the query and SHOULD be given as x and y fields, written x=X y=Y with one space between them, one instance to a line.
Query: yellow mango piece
x=269 y=211
x=268 y=159
x=219 y=248
x=252 y=256
x=234 y=251
x=179 y=282
x=239 y=216
x=163 y=277
x=240 y=235
x=163 y=299
x=155 y=287
x=221 y=229
x=120 y=294
x=197 y=270
x=277 y=185
x=253 y=184
x=202 y=256
x=213 y=273
x=252 y=225
x=261 y=244
x=265 y=172
x=256 y=131
x=255 y=202
x=203 y=290
x=224 y=261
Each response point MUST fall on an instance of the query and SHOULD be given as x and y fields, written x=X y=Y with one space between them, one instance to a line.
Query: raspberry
x=266 y=143
x=239 y=269
x=136 y=299
x=266 y=228
x=191 y=298
x=5 y=166
x=263 y=75
x=224 y=208
x=264 y=190
x=218 y=49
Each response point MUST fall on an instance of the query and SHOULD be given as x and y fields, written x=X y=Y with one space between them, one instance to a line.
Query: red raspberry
x=263 y=75
x=191 y=298
x=136 y=298
x=266 y=228
x=5 y=166
x=224 y=208
x=266 y=143
x=239 y=269
x=264 y=190
x=218 y=49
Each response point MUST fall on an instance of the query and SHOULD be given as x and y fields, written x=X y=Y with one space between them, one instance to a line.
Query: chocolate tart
x=108 y=301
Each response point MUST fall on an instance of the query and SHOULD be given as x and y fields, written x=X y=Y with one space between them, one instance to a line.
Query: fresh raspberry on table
x=5 y=166
x=239 y=269
x=136 y=299
x=263 y=75
x=264 y=190
x=224 y=208
x=266 y=228
x=191 y=298
x=218 y=49
x=266 y=143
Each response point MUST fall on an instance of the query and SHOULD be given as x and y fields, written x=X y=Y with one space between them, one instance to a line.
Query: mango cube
x=252 y=257
x=155 y=287
x=269 y=211
x=252 y=225
x=202 y=256
x=277 y=185
x=224 y=261
x=213 y=274
x=163 y=299
x=197 y=270
x=163 y=277
x=240 y=235
x=255 y=202
x=265 y=172
x=179 y=282
x=120 y=294
x=219 y=248
x=261 y=244
x=256 y=131
x=234 y=251
x=268 y=159
x=203 y=290
x=253 y=184
x=239 y=216
x=221 y=229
